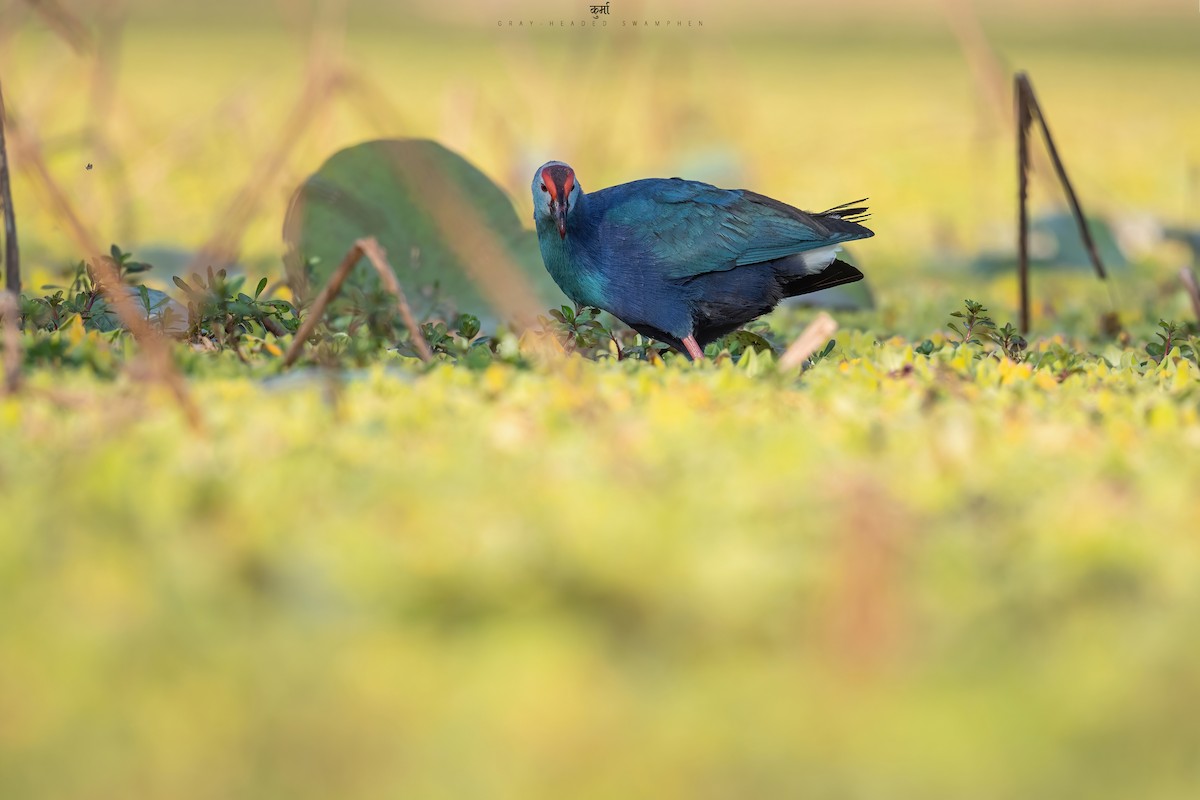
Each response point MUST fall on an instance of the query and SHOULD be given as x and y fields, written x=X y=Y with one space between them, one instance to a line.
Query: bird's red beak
x=561 y=216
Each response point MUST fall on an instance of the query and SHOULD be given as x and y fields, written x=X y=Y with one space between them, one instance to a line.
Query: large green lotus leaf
x=385 y=189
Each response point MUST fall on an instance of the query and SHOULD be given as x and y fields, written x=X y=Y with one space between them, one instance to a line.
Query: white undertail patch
x=817 y=260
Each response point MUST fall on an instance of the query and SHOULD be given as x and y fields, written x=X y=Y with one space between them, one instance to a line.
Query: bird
x=685 y=262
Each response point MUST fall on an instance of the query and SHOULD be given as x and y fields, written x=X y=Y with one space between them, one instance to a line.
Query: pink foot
x=693 y=349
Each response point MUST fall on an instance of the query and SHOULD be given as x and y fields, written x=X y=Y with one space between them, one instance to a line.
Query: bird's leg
x=693 y=349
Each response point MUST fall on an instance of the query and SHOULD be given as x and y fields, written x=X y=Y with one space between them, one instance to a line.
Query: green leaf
x=245 y=309
x=477 y=358
x=377 y=189
x=102 y=317
x=468 y=325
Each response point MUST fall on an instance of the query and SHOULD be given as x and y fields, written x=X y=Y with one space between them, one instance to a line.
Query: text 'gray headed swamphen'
x=682 y=261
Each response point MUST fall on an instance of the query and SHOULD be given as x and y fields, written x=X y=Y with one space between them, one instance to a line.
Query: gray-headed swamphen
x=682 y=261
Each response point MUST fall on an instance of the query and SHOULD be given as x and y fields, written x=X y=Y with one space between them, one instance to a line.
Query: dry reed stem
x=485 y=258
x=155 y=350
x=68 y=26
x=378 y=258
x=988 y=71
x=813 y=338
x=371 y=103
x=1188 y=278
x=327 y=293
x=320 y=82
x=97 y=136
x=10 y=313
x=222 y=246
x=866 y=618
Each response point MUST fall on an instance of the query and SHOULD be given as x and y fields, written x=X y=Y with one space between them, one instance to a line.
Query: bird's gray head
x=555 y=194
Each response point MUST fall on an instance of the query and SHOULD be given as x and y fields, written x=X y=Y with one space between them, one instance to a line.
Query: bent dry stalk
x=378 y=258
x=1188 y=278
x=1029 y=109
x=818 y=332
x=154 y=350
x=370 y=248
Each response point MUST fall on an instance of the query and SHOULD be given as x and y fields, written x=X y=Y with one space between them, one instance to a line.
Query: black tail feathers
x=836 y=274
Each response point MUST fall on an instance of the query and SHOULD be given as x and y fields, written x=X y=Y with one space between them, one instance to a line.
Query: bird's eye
x=544 y=189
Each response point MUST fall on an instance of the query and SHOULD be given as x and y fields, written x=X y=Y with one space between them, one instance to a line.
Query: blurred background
x=200 y=119
x=614 y=580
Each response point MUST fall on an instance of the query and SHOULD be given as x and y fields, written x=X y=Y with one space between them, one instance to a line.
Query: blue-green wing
x=686 y=228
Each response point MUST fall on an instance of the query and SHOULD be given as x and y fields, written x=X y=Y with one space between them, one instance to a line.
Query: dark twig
x=378 y=258
x=12 y=255
x=1028 y=109
x=1188 y=277
x=1023 y=121
x=1085 y=233
x=327 y=294
x=274 y=327
x=10 y=312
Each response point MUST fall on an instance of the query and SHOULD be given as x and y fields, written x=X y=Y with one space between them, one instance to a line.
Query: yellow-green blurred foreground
x=967 y=580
